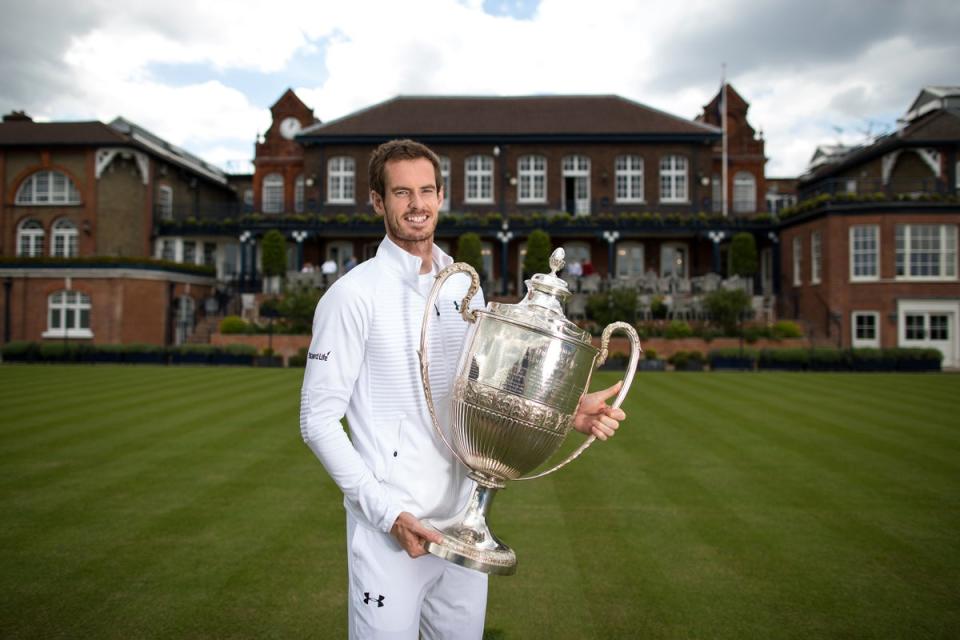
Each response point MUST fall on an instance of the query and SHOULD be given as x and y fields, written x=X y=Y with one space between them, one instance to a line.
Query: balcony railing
x=873 y=186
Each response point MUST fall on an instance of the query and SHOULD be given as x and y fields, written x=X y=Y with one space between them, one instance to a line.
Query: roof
x=168 y=151
x=932 y=98
x=457 y=117
x=26 y=133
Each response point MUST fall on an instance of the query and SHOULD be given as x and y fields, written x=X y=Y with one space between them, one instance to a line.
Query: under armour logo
x=367 y=599
x=456 y=305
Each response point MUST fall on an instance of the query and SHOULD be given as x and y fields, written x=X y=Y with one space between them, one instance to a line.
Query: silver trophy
x=516 y=390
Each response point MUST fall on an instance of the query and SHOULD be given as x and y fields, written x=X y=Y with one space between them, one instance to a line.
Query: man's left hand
x=595 y=417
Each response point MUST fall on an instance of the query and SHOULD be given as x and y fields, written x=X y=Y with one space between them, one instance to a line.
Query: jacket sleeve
x=340 y=327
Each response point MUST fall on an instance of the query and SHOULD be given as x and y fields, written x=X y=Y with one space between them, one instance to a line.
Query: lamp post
x=244 y=237
x=716 y=237
x=504 y=236
x=299 y=236
x=611 y=237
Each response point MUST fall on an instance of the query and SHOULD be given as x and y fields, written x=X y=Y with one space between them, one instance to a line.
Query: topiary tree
x=470 y=250
x=539 y=248
x=727 y=307
x=743 y=254
x=274 y=256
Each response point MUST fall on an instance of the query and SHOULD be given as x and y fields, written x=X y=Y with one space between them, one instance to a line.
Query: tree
x=539 y=247
x=470 y=250
x=727 y=307
x=743 y=254
x=274 y=257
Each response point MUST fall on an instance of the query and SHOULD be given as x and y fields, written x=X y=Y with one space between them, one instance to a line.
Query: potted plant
x=651 y=362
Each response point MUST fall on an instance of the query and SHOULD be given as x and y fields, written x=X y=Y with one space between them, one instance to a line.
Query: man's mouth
x=416 y=218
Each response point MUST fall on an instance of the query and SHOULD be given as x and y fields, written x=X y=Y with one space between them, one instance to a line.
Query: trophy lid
x=542 y=307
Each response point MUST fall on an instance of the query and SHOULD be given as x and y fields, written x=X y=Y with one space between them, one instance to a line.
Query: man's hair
x=399 y=150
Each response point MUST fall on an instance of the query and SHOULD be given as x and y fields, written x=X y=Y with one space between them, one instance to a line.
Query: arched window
x=445 y=174
x=576 y=185
x=673 y=179
x=744 y=192
x=629 y=173
x=30 y=239
x=298 y=194
x=340 y=180
x=68 y=315
x=479 y=176
x=64 y=239
x=48 y=188
x=532 y=179
x=272 y=193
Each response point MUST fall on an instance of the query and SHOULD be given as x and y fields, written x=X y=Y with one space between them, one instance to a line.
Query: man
x=393 y=470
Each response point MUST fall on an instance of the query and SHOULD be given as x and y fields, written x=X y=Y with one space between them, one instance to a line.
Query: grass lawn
x=153 y=502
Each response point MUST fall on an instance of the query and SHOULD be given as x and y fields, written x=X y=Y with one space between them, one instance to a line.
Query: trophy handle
x=635 y=350
x=468 y=316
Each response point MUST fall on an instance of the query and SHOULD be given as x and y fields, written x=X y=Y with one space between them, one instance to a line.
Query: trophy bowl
x=517 y=387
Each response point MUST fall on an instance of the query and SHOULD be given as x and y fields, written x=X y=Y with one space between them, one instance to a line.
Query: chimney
x=17 y=116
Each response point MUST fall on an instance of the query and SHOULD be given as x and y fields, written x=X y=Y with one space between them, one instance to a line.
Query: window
x=340 y=180
x=673 y=260
x=209 y=253
x=248 y=197
x=815 y=255
x=864 y=252
x=298 y=197
x=744 y=192
x=673 y=179
x=64 y=239
x=165 y=202
x=629 y=259
x=797 y=262
x=479 y=177
x=532 y=175
x=486 y=257
x=866 y=329
x=167 y=250
x=777 y=202
x=445 y=174
x=189 y=252
x=46 y=188
x=576 y=252
x=716 y=190
x=629 y=178
x=272 y=193
x=926 y=251
x=68 y=315
x=30 y=239
x=576 y=185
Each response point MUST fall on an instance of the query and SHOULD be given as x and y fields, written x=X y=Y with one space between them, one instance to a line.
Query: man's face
x=411 y=200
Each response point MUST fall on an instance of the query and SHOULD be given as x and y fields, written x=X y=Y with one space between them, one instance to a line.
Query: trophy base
x=468 y=542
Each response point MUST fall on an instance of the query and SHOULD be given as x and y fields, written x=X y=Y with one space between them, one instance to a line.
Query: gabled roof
x=168 y=151
x=290 y=98
x=933 y=98
x=458 y=117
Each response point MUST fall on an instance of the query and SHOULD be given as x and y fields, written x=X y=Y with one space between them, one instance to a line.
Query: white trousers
x=396 y=597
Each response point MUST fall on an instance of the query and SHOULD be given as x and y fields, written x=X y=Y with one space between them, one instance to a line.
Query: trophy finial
x=556 y=260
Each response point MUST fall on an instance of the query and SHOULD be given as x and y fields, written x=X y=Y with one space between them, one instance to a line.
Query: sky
x=203 y=75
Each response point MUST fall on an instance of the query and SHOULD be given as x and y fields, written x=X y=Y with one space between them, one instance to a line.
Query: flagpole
x=723 y=126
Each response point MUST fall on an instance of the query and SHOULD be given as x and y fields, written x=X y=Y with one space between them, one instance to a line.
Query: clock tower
x=279 y=185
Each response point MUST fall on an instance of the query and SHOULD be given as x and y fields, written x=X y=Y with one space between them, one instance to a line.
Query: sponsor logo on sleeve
x=318 y=356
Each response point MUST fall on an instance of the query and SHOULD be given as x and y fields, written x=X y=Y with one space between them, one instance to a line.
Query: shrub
x=537 y=259
x=785 y=329
x=233 y=325
x=679 y=329
x=274 y=253
x=753 y=332
x=650 y=354
x=617 y=305
x=783 y=359
x=727 y=307
x=658 y=308
x=299 y=360
x=20 y=350
x=743 y=254
x=470 y=250
x=297 y=308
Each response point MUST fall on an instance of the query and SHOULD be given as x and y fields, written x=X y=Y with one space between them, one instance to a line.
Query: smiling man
x=394 y=470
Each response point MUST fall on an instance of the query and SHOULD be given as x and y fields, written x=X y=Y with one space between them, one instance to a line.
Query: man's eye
x=401 y=193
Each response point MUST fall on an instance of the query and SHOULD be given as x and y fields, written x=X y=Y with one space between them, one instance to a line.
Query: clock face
x=289 y=127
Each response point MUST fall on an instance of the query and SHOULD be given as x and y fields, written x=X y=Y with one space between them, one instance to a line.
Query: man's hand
x=412 y=535
x=595 y=417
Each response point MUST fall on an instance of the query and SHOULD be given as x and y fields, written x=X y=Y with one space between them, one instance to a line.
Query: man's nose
x=416 y=200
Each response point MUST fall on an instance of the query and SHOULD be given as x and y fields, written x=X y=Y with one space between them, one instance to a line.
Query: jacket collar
x=406 y=264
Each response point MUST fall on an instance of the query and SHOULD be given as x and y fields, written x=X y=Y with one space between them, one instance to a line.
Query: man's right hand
x=412 y=535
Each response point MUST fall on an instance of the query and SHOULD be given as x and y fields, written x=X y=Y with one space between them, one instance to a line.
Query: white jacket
x=363 y=363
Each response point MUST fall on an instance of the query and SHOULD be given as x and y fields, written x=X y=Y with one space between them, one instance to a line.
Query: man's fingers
x=426 y=533
x=609 y=392
x=616 y=414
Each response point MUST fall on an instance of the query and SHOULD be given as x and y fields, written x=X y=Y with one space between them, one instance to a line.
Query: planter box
x=691 y=366
x=732 y=364
x=144 y=358
x=780 y=366
x=190 y=358
x=652 y=365
x=231 y=359
x=268 y=361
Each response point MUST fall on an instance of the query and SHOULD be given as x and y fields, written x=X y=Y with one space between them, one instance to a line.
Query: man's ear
x=377 y=203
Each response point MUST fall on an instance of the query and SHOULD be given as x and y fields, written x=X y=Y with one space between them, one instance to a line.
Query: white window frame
x=947 y=251
x=797 y=261
x=578 y=168
x=861 y=247
x=30 y=236
x=624 y=258
x=165 y=202
x=816 y=257
x=744 y=192
x=341 y=180
x=189 y=252
x=531 y=179
x=299 y=194
x=47 y=188
x=340 y=252
x=628 y=179
x=74 y=302
x=478 y=179
x=486 y=257
x=272 y=193
x=64 y=238
x=857 y=342
x=674 y=185
x=445 y=175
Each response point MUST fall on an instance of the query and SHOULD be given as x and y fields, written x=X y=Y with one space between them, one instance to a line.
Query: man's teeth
x=417 y=218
